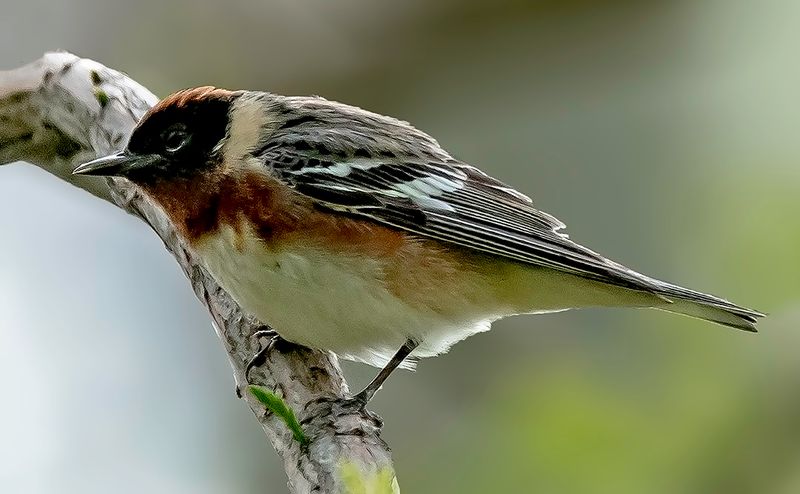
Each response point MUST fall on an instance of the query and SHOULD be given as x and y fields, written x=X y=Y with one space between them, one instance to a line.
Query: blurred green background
x=665 y=134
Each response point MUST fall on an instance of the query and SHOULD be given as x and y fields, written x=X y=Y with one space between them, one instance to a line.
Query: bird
x=353 y=232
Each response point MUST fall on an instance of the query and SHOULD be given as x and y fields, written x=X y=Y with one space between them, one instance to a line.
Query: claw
x=261 y=355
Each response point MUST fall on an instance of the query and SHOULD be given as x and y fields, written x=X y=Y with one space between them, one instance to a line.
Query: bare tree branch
x=63 y=110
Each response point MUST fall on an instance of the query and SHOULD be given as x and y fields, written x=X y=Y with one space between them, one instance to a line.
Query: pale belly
x=336 y=303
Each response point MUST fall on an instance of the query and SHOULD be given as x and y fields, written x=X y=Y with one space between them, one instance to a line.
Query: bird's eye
x=175 y=138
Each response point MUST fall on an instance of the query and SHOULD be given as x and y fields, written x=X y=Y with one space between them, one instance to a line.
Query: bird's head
x=184 y=134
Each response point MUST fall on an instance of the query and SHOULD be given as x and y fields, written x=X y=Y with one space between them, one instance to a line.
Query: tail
x=696 y=304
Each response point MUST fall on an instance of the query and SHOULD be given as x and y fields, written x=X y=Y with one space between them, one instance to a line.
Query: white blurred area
x=663 y=133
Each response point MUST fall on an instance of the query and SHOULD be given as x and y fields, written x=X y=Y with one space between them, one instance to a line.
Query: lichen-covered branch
x=63 y=110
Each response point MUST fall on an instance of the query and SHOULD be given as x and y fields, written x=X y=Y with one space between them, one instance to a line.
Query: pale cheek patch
x=248 y=124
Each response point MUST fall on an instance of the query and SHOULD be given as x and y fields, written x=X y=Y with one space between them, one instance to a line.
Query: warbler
x=356 y=233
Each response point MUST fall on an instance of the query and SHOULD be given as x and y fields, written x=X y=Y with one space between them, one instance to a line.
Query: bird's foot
x=263 y=350
x=261 y=355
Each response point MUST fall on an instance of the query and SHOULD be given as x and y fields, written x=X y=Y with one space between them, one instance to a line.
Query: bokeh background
x=664 y=133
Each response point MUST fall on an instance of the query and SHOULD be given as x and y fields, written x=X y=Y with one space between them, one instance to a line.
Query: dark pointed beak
x=117 y=165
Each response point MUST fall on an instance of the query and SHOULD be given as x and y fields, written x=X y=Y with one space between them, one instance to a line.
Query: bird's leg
x=367 y=393
x=258 y=358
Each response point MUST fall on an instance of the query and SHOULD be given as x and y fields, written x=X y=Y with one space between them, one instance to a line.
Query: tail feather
x=703 y=306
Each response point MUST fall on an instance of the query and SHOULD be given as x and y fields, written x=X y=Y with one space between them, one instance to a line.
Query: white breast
x=328 y=302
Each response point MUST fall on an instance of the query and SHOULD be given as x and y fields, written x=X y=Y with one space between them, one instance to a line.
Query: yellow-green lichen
x=101 y=96
x=357 y=481
x=277 y=406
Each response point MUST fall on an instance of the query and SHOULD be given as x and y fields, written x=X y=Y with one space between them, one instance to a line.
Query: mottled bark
x=63 y=110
